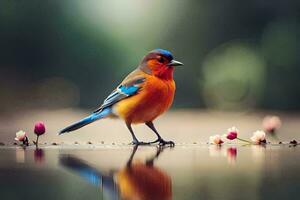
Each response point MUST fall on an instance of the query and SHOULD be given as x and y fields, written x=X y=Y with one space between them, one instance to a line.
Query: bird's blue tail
x=93 y=117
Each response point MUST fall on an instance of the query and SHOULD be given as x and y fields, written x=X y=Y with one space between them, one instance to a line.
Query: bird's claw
x=136 y=142
x=163 y=143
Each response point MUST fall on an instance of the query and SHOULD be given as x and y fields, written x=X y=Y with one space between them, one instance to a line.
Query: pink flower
x=232 y=133
x=258 y=137
x=271 y=123
x=216 y=139
x=20 y=136
x=39 y=128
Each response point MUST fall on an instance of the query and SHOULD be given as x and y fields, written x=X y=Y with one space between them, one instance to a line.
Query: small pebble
x=280 y=142
x=89 y=142
x=45 y=143
x=102 y=142
x=75 y=142
x=15 y=143
x=113 y=143
x=294 y=142
x=194 y=142
x=54 y=143
x=2 y=144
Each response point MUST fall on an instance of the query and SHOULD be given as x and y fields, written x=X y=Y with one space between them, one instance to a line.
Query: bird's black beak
x=174 y=63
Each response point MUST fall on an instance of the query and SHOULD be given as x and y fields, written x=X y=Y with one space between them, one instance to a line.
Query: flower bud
x=39 y=128
x=232 y=133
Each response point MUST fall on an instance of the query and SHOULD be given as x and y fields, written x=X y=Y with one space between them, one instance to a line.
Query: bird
x=144 y=94
x=135 y=180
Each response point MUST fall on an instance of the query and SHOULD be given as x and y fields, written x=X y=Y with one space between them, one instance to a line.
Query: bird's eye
x=161 y=59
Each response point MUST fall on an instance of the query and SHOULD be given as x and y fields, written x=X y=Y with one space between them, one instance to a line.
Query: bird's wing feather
x=129 y=86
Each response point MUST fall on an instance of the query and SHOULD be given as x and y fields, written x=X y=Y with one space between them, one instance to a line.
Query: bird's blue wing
x=126 y=89
x=120 y=93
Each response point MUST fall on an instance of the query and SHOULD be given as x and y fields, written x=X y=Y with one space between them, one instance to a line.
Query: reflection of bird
x=142 y=96
x=139 y=181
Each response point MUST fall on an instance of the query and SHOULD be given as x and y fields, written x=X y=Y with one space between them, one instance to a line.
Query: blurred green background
x=238 y=55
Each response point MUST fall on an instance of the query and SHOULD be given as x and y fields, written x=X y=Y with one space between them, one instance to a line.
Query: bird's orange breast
x=155 y=97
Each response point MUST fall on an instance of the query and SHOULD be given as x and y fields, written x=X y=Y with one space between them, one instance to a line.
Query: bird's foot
x=163 y=143
x=136 y=142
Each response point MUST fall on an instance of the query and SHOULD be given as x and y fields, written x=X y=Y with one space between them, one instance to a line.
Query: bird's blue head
x=165 y=53
x=159 y=62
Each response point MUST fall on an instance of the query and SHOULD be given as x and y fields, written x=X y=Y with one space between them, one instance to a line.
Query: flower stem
x=244 y=140
x=37 y=141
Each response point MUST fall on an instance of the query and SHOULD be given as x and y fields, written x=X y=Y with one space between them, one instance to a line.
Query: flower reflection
x=20 y=155
x=136 y=180
x=39 y=155
x=218 y=151
x=231 y=155
x=258 y=151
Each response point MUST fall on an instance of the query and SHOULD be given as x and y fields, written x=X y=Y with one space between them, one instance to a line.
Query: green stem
x=244 y=140
x=37 y=141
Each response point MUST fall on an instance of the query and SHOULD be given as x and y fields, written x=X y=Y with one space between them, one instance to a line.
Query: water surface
x=123 y=172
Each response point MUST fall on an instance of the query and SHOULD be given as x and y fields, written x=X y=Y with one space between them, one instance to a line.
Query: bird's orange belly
x=147 y=105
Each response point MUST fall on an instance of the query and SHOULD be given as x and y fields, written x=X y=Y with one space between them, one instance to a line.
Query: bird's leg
x=135 y=141
x=159 y=139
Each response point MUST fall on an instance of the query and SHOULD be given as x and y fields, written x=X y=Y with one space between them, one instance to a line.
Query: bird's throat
x=165 y=73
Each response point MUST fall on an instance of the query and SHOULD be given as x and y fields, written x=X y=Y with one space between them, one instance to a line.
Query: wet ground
x=185 y=172
x=95 y=162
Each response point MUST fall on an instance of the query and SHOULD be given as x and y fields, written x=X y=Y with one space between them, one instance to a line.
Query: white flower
x=20 y=136
x=216 y=139
x=258 y=137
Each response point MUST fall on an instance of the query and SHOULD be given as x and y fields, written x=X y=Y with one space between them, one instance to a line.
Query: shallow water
x=117 y=172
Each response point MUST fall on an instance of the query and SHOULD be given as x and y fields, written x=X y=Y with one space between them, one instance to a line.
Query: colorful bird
x=142 y=96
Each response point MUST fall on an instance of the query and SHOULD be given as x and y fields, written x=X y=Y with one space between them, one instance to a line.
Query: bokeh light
x=233 y=76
